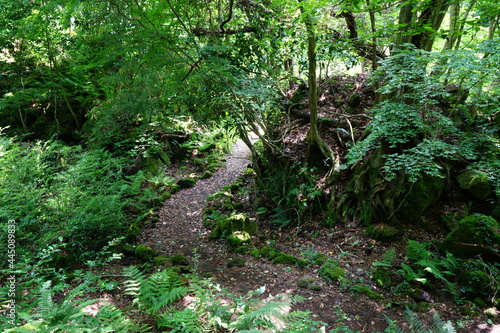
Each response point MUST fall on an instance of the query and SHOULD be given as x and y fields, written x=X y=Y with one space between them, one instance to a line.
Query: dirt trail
x=180 y=229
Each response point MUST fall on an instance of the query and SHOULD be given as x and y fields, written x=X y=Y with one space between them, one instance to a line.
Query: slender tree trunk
x=314 y=139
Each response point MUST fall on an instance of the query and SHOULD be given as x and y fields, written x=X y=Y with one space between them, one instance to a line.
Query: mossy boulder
x=144 y=252
x=286 y=259
x=128 y=249
x=331 y=272
x=186 y=182
x=361 y=289
x=239 y=238
x=206 y=174
x=474 y=235
x=235 y=222
x=180 y=260
x=269 y=252
x=305 y=283
x=476 y=183
x=255 y=253
x=162 y=260
x=422 y=194
x=382 y=232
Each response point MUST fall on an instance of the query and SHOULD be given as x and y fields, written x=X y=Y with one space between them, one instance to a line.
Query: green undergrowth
x=79 y=198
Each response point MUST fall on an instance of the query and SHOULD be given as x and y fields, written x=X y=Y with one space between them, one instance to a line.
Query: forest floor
x=179 y=230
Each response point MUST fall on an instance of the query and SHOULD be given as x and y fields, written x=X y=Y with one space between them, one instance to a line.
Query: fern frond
x=417 y=251
x=264 y=316
x=134 y=281
x=185 y=321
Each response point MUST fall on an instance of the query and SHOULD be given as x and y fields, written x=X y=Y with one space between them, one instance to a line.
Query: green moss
x=381 y=278
x=235 y=222
x=255 y=253
x=361 y=289
x=286 y=259
x=331 y=272
x=477 y=183
x=426 y=191
x=320 y=259
x=302 y=263
x=269 y=252
x=162 y=260
x=244 y=249
x=305 y=283
x=239 y=238
x=144 y=252
x=471 y=231
x=180 y=260
x=423 y=307
x=315 y=287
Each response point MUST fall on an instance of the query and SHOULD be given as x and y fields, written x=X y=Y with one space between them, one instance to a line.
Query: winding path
x=180 y=228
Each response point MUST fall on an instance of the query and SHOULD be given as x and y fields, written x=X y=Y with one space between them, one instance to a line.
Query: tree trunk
x=314 y=141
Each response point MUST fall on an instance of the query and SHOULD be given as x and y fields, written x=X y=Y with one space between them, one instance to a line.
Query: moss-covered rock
x=477 y=183
x=206 y=174
x=305 y=283
x=144 y=252
x=286 y=259
x=474 y=235
x=180 y=260
x=451 y=219
x=422 y=194
x=269 y=252
x=235 y=222
x=244 y=249
x=361 y=289
x=186 y=182
x=381 y=278
x=239 y=238
x=382 y=232
x=162 y=260
x=331 y=272
x=255 y=253
x=128 y=249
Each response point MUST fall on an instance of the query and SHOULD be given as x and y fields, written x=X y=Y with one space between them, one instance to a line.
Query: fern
x=185 y=321
x=265 y=316
x=437 y=326
x=387 y=259
x=69 y=317
x=416 y=251
x=154 y=293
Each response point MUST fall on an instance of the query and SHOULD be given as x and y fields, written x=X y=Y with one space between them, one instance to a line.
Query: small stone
x=491 y=312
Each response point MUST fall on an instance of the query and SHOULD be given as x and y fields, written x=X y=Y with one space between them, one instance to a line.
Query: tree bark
x=314 y=139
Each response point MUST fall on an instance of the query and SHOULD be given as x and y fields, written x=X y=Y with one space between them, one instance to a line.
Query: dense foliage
x=97 y=98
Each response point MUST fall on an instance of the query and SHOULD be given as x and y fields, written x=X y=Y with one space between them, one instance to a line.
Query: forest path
x=180 y=229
